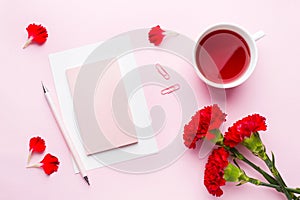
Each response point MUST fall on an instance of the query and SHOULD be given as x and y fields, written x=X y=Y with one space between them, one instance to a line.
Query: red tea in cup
x=222 y=56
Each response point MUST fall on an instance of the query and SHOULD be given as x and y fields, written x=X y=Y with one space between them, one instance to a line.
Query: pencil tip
x=44 y=88
x=87 y=180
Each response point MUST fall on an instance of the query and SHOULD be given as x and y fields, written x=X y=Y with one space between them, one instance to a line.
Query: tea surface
x=222 y=56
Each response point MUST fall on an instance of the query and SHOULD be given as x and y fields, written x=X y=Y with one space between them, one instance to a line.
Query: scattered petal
x=156 y=35
x=50 y=164
x=36 y=145
x=37 y=34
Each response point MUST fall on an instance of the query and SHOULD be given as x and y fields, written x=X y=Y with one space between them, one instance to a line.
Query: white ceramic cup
x=251 y=42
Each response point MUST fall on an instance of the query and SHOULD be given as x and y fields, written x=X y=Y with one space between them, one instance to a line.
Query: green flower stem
x=280 y=177
x=277 y=175
x=273 y=182
x=241 y=157
x=294 y=190
x=256 y=146
x=259 y=183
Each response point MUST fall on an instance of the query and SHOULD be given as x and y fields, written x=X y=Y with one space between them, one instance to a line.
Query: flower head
x=218 y=171
x=36 y=33
x=243 y=129
x=50 y=164
x=206 y=119
x=156 y=35
x=36 y=144
x=214 y=171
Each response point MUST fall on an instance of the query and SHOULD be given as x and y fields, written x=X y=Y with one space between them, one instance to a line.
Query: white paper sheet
x=62 y=61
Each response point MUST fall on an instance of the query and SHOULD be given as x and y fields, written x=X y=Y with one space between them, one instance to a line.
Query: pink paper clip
x=162 y=71
x=170 y=89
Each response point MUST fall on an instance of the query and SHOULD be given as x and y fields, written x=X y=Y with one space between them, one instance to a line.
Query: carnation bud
x=255 y=145
x=233 y=174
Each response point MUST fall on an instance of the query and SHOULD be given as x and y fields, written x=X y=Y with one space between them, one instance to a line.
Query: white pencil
x=65 y=134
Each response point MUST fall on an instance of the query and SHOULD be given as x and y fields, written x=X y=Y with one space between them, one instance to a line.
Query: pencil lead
x=87 y=180
x=44 y=88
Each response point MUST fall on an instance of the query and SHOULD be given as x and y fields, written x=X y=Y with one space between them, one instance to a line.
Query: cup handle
x=260 y=34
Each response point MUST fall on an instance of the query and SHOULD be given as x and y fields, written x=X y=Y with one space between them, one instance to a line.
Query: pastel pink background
x=272 y=90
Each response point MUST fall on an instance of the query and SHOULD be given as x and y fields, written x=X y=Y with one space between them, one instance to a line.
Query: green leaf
x=273 y=159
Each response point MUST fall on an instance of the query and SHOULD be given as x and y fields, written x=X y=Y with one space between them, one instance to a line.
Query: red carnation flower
x=244 y=128
x=214 y=171
x=191 y=132
x=208 y=118
x=36 y=144
x=36 y=33
x=49 y=164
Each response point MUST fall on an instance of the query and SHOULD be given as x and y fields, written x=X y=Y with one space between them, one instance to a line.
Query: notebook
x=108 y=136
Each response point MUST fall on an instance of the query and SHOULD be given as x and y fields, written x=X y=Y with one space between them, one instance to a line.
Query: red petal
x=37 y=144
x=156 y=35
x=50 y=164
x=204 y=120
x=50 y=168
x=38 y=33
x=244 y=128
x=50 y=159
x=214 y=171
